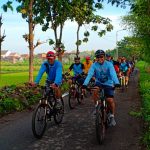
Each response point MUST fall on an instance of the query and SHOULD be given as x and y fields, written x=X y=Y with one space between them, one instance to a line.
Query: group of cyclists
x=104 y=71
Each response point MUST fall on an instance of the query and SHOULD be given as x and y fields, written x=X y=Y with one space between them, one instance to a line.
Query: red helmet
x=87 y=58
x=50 y=54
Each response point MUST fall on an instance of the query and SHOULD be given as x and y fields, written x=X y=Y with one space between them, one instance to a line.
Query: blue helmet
x=99 y=52
x=108 y=55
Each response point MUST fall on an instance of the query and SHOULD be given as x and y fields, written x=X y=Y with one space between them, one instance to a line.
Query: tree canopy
x=138 y=21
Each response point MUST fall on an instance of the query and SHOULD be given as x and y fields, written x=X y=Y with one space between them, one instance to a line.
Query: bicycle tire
x=122 y=84
x=58 y=119
x=79 y=96
x=100 y=125
x=72 y=99
x=44 y=121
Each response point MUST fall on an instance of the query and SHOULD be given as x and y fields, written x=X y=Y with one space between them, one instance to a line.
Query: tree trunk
x=77 y=53
x=0 y=49
x=31 y=37
x=58 y=44
x=1 y=40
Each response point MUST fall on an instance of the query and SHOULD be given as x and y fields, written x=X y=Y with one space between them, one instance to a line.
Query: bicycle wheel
x=122 y=83
x=59 y=113
x=100 y=124
x=79 y=95
x=72 y=99
x=39 y=120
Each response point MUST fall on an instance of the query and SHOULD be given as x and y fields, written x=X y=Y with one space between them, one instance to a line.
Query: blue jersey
x=104 y=73
x=54 y=72
x=77 y=68
x=124 y=66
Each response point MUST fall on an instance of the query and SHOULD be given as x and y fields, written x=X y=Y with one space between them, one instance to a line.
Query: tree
x=83 y=13
x=129 y=47
x=28 y=12
x=52 y=14
x=122 y=3
x=139 y=22
x=2 y=37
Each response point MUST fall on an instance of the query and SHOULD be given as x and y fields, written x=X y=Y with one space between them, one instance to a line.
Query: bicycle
x=102 y=119
x=44 y=112
x=122 y=80
x=75 y=92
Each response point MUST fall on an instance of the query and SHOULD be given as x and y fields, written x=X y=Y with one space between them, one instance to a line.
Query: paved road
x=77 y=132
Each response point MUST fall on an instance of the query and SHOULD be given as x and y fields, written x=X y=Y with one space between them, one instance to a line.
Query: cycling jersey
x=104 y=73
x=87 y=66
x=124 y=67
x=77 y=68
x=112 y=61
x=54 y=72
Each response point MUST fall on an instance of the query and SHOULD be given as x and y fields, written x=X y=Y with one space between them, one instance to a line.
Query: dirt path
x=77 y=132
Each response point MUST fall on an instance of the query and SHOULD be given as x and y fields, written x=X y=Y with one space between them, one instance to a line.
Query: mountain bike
x=102 y=119
x=45 y=111
x=75 y=92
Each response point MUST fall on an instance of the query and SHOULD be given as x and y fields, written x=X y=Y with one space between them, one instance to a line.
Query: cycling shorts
x=108 y=90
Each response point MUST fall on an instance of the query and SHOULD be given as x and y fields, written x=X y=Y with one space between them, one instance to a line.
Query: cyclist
x=105 y=77
x=78 y=69
x=116 y=66
x=87 y=64
x=109 y=58
x=115 y=63
x=53 y=69
x=125 y=69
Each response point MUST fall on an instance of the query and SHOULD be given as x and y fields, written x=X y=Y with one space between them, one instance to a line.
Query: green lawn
x=16 y=75
x=17 y=78
x=25 y=68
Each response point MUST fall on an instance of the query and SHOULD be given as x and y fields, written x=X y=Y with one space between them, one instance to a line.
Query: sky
x=15 y=27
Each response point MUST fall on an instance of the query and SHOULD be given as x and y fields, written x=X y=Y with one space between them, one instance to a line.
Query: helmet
x=77 y=58
x=108 y=55
x=87 y=58
x=50 y=54
x=99 y=52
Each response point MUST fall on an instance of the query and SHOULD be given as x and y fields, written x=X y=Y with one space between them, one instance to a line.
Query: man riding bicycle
x=53 y=69
x=125 y=69
x=87 y=64
x=106 y=78
x=77 y=68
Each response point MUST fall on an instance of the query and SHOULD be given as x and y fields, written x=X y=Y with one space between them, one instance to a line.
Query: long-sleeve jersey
x=87 y=66
x=124 y=66
x=77 y=68
x=104 y=73
x=54 y=72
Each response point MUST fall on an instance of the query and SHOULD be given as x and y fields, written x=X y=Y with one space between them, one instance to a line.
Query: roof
x=4 y=52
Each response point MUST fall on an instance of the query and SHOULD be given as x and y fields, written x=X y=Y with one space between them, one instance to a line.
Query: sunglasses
x=100 y=56
x=50 y=55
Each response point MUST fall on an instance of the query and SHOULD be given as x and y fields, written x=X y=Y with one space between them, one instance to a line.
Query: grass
x=144 y=85
x=18 y=74
x=17 y=78
x=7 y=69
